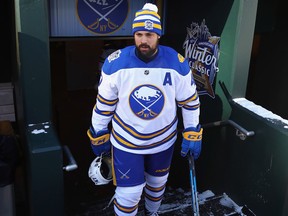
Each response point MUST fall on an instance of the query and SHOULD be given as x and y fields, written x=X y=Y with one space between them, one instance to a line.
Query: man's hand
x=192 y=141
x=100 y=141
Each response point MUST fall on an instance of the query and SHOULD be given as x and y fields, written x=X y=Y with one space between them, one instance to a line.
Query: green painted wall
x=235 y=50
x=33 y=89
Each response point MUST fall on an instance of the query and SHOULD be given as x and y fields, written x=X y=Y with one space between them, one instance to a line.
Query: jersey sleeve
x=187 y=97
x=106 y=100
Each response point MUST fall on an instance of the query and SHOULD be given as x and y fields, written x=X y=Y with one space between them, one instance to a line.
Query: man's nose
x=144 y=40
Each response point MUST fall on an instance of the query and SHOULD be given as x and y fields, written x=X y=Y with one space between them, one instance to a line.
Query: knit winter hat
x=147 y=19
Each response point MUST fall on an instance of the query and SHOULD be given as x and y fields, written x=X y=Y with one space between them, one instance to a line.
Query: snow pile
x=260 y=111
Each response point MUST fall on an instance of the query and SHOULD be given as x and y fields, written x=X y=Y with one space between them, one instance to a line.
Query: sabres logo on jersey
x=146 y=101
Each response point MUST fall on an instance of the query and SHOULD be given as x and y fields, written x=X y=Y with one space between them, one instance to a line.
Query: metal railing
x=72 y=165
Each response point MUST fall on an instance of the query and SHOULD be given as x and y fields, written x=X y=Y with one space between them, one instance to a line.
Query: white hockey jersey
x=141 y=99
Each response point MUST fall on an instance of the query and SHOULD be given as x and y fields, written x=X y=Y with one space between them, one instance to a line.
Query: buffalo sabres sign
x=146 y=101
x=102 y=16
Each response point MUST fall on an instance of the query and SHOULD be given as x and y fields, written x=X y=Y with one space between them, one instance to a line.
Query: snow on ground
x=177 y=202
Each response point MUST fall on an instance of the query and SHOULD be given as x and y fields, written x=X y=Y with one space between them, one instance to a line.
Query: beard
x=146 y=51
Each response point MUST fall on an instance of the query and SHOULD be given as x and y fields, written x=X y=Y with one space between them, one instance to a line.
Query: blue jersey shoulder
x=126 y=58
x=173 y=60
x=119 y=59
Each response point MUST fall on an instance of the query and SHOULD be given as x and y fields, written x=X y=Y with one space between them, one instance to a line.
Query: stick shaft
x=195 y=204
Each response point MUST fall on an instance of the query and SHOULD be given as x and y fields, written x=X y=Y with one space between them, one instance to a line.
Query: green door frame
x=44 y=168
x=235 y=50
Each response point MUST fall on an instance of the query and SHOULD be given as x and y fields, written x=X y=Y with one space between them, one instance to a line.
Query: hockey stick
x=195 y=203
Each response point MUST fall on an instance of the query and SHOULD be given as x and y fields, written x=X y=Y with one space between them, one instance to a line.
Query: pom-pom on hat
x=147 y=19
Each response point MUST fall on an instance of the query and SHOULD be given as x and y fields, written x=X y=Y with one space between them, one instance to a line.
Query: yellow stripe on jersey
x=193 y=98
x=126 y=143
x=141 y=136
x=107 y=102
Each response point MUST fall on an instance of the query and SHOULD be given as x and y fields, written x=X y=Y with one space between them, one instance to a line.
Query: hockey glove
x=192 y=141
x=100 y=141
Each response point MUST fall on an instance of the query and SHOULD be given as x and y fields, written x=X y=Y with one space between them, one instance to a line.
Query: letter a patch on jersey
x=146 y=101
x=167 y=79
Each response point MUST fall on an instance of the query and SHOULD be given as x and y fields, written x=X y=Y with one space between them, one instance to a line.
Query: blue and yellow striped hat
x=147 y=19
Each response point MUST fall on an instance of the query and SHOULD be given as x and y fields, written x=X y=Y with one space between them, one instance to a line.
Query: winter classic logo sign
x=201 y=50
x=102 y=16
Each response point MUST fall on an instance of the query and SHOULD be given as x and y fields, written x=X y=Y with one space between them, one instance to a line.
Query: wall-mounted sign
x=201 y=50
x=77 y=18
x=102 y=16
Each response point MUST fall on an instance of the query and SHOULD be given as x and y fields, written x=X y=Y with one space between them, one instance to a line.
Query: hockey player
x=139 y=90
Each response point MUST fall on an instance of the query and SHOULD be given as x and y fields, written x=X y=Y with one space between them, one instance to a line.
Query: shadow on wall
x=206 y=166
